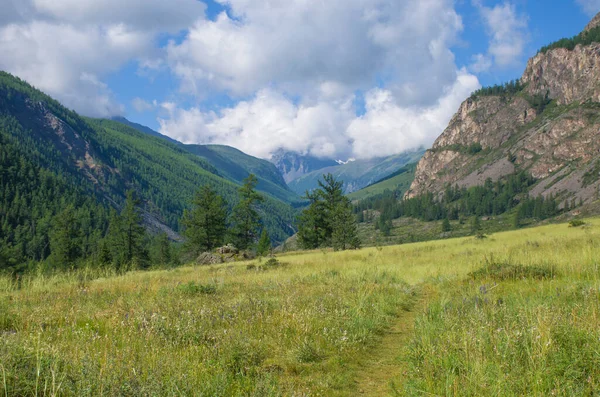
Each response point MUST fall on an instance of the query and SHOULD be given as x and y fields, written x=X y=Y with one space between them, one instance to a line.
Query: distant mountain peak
x=294 y=165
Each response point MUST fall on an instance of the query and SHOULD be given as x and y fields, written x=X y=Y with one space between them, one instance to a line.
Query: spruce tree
x=65 y=241
x=475 y=225
x=264 y=244
x=446 y=226
x=328 y=220
x=517 y=218
x=345 y=233
x=133 y=229
x=206 y=224
x=126 y=234
x=163 y=252
x=246 y=220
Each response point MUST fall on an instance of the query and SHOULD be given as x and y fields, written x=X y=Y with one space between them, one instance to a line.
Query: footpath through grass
x=317 y=324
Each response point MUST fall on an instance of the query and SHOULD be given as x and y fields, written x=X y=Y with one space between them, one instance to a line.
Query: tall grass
x=302 y=328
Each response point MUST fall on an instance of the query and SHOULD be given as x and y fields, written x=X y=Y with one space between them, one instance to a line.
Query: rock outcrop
x=551 y=129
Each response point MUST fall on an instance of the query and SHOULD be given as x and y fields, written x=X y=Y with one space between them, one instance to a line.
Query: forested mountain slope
x=233 y=164
x=51 y=159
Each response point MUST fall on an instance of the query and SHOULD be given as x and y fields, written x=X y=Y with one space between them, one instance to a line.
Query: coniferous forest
x=64 y=177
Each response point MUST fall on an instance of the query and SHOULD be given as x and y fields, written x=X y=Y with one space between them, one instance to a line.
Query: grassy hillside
x=357 y=174
x=399 y=182
x=515 y=314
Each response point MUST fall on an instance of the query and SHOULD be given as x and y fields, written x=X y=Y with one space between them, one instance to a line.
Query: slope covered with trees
x=52 y=159
x=233 y=164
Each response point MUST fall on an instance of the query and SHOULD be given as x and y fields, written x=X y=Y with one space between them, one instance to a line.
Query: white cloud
x=319 y=54
x=300 y=46
x=508 y=32
x=591 y=7
x=267 y=122
x=141 y=105
x=480 y=63
x=67 y=47
x=324 y=129
x=388 y=128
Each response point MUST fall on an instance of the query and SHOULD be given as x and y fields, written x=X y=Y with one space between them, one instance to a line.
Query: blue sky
x=339 y=79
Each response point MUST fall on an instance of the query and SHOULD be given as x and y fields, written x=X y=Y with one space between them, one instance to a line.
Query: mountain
x=232 y=164
x=357 y=174
x=398 y=182
x=52 y=158
x=545 y=124
x=294 y=165
x=143 y=128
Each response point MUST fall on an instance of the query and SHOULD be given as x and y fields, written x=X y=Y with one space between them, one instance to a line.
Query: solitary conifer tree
x=245 y=217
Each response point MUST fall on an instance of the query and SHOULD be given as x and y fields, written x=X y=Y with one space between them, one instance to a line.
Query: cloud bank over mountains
x=337 y=79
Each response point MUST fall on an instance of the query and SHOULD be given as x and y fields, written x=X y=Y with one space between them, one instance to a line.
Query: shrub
x=576 y=223
x=502 y=271
x=193 y=288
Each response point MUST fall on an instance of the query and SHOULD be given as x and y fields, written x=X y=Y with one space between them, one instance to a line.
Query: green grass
x=514 y=314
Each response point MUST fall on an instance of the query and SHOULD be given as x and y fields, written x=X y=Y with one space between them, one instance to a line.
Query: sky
x=329 y=78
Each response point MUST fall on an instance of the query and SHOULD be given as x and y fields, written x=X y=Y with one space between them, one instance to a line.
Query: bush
x=503 y=271
x=272 y=263
x=576 y=223
x=193 y=288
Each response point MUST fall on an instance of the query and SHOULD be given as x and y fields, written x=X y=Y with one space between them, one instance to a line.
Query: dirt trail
x=384 y=363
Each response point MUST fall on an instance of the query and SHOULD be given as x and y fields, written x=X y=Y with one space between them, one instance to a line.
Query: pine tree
x=134 y=231
x=246 y=220
x=126 y=234
x=206 y=224
x=264 y=244
x=316 y=222
x=345 y=233
x=65 y=241
x=311 y=233
x=475 y=225
x=517 y=218
x=446 y=226
x=163 y=255
x=116 y=241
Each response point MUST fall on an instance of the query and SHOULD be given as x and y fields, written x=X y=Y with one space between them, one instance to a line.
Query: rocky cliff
x=549 y=127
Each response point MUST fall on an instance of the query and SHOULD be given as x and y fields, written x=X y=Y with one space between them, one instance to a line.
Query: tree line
x=490 y=199
x=510 y=88
x=583 y=38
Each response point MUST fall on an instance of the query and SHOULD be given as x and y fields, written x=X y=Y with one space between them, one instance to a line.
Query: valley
x=388 y=228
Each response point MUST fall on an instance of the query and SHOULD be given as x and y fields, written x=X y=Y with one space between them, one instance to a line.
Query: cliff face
x=551 y=129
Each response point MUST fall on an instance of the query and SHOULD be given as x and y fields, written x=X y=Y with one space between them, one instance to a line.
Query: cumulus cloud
x=508 y=32
x=301 y=63
x=66 y=47
x=388 y=128
x=591 y=7
x=325 y=128
x=301 y=46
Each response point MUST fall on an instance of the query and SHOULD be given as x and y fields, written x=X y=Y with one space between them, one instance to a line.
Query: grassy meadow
x=514 y=314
